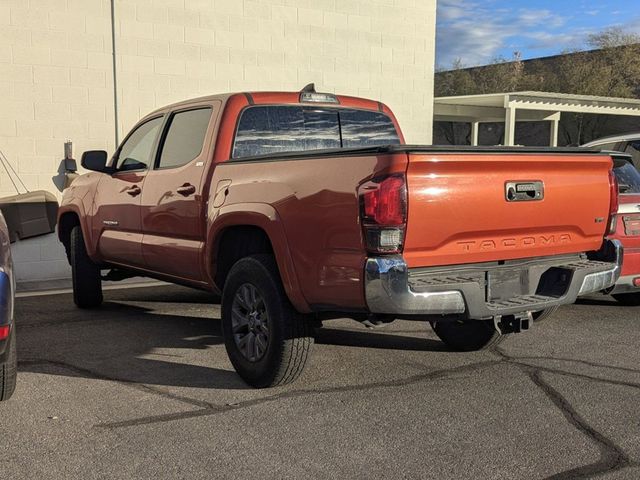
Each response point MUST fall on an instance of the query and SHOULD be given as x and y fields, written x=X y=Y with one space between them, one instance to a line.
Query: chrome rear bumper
x=390 y=288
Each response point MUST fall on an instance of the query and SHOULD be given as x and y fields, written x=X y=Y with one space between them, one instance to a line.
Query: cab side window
x=185 y=137
x=136 y=152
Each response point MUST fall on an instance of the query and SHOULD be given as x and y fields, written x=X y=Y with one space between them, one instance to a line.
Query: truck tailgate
x=459 y=212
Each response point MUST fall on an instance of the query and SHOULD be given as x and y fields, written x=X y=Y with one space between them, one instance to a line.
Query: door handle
x=186 y=189
x=133 y=191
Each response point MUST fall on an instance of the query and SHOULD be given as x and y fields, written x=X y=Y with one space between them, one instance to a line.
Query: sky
x=477 y=31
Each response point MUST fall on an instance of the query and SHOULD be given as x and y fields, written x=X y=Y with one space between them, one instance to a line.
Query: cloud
x=477 y=31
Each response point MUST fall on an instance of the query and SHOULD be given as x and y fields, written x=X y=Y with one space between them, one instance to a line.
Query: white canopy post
x=555 y=123
x=475 y=127
x=510 y=127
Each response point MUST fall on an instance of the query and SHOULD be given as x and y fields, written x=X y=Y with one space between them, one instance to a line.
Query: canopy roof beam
x=510 y=108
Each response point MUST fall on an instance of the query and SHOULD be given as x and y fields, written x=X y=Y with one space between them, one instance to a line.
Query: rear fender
x=265 y=217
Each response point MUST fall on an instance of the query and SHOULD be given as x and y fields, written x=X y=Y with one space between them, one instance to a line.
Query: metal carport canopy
x=526 y=107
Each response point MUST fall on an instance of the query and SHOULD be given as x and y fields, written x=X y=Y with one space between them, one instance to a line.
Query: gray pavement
x=142 y=388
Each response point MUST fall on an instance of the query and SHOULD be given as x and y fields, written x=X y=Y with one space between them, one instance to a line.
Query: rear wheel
x=268 y=342
x=87 y=284
x=9 y=370
x=467 y=335
x=543 y=314
x=628 y=299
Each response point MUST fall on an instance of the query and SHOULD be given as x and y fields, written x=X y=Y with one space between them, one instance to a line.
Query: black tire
x=9 y=370
x=87 y=284
x=628 y=299
x=544 y=314
x=289 y=339
x=467 y=335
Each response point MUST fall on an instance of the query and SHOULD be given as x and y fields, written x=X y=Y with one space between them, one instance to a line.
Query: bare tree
x=610 y=69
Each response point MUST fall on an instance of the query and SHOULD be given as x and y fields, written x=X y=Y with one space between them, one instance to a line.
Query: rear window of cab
x=265 y=130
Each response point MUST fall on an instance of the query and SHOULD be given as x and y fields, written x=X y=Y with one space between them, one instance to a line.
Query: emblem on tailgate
x=524 y=191
x=515 y=242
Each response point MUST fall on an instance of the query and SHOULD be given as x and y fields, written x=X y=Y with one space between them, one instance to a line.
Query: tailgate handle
x=524 y=191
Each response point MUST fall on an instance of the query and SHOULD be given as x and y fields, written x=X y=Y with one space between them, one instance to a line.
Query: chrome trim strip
x=387 y=290
x=628 y=208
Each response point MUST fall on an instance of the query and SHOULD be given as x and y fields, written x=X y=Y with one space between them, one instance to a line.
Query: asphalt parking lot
x=142 y=388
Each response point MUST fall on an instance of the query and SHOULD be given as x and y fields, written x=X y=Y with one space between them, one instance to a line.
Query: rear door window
x=362 y=128
x=184 y=138
x=628 y=178
x=268 y=130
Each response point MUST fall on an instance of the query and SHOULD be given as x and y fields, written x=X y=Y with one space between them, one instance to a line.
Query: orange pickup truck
x=301 y=207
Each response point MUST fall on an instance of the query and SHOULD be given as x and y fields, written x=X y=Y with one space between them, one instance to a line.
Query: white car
x=628 y=143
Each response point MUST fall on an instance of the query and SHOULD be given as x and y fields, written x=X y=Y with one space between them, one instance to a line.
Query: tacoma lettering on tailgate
x=515 y=242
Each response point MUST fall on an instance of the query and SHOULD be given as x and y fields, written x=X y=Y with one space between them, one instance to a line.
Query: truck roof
x=261 y=98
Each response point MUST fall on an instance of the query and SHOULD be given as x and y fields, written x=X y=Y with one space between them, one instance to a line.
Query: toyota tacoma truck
x=302 y=207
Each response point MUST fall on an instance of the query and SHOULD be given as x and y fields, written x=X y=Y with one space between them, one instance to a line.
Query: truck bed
x=448 y=207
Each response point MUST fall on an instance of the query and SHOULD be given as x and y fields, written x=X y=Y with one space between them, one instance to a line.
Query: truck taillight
x=613 y=202
x=383 y=212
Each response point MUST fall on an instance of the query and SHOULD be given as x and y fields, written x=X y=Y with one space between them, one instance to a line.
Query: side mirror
x=95 y=160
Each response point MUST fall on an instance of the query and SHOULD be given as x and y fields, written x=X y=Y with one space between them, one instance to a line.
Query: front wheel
x=467 y=335
x=85 y=275
x=267 y=341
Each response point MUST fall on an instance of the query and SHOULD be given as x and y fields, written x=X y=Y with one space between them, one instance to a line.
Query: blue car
x=8 y=354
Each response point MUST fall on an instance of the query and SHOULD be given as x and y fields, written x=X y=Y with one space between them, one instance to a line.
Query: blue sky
x=476 y=31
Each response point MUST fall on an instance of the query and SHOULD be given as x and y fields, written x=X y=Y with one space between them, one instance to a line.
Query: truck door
x=174 y=200
x=117 y=200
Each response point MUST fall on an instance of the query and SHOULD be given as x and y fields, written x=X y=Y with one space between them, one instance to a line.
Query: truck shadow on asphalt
x=601 y=301
x=133 y=344
x=124 y=343
x=375 y=340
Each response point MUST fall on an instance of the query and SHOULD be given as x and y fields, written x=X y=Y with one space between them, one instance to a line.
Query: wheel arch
x=68 y=217
x=245 y=229
x=66 y=222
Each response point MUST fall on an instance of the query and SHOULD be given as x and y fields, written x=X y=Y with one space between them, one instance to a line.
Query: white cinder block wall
x=57 y=77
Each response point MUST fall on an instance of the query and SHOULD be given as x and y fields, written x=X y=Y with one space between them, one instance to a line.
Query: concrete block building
x=87 y=70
